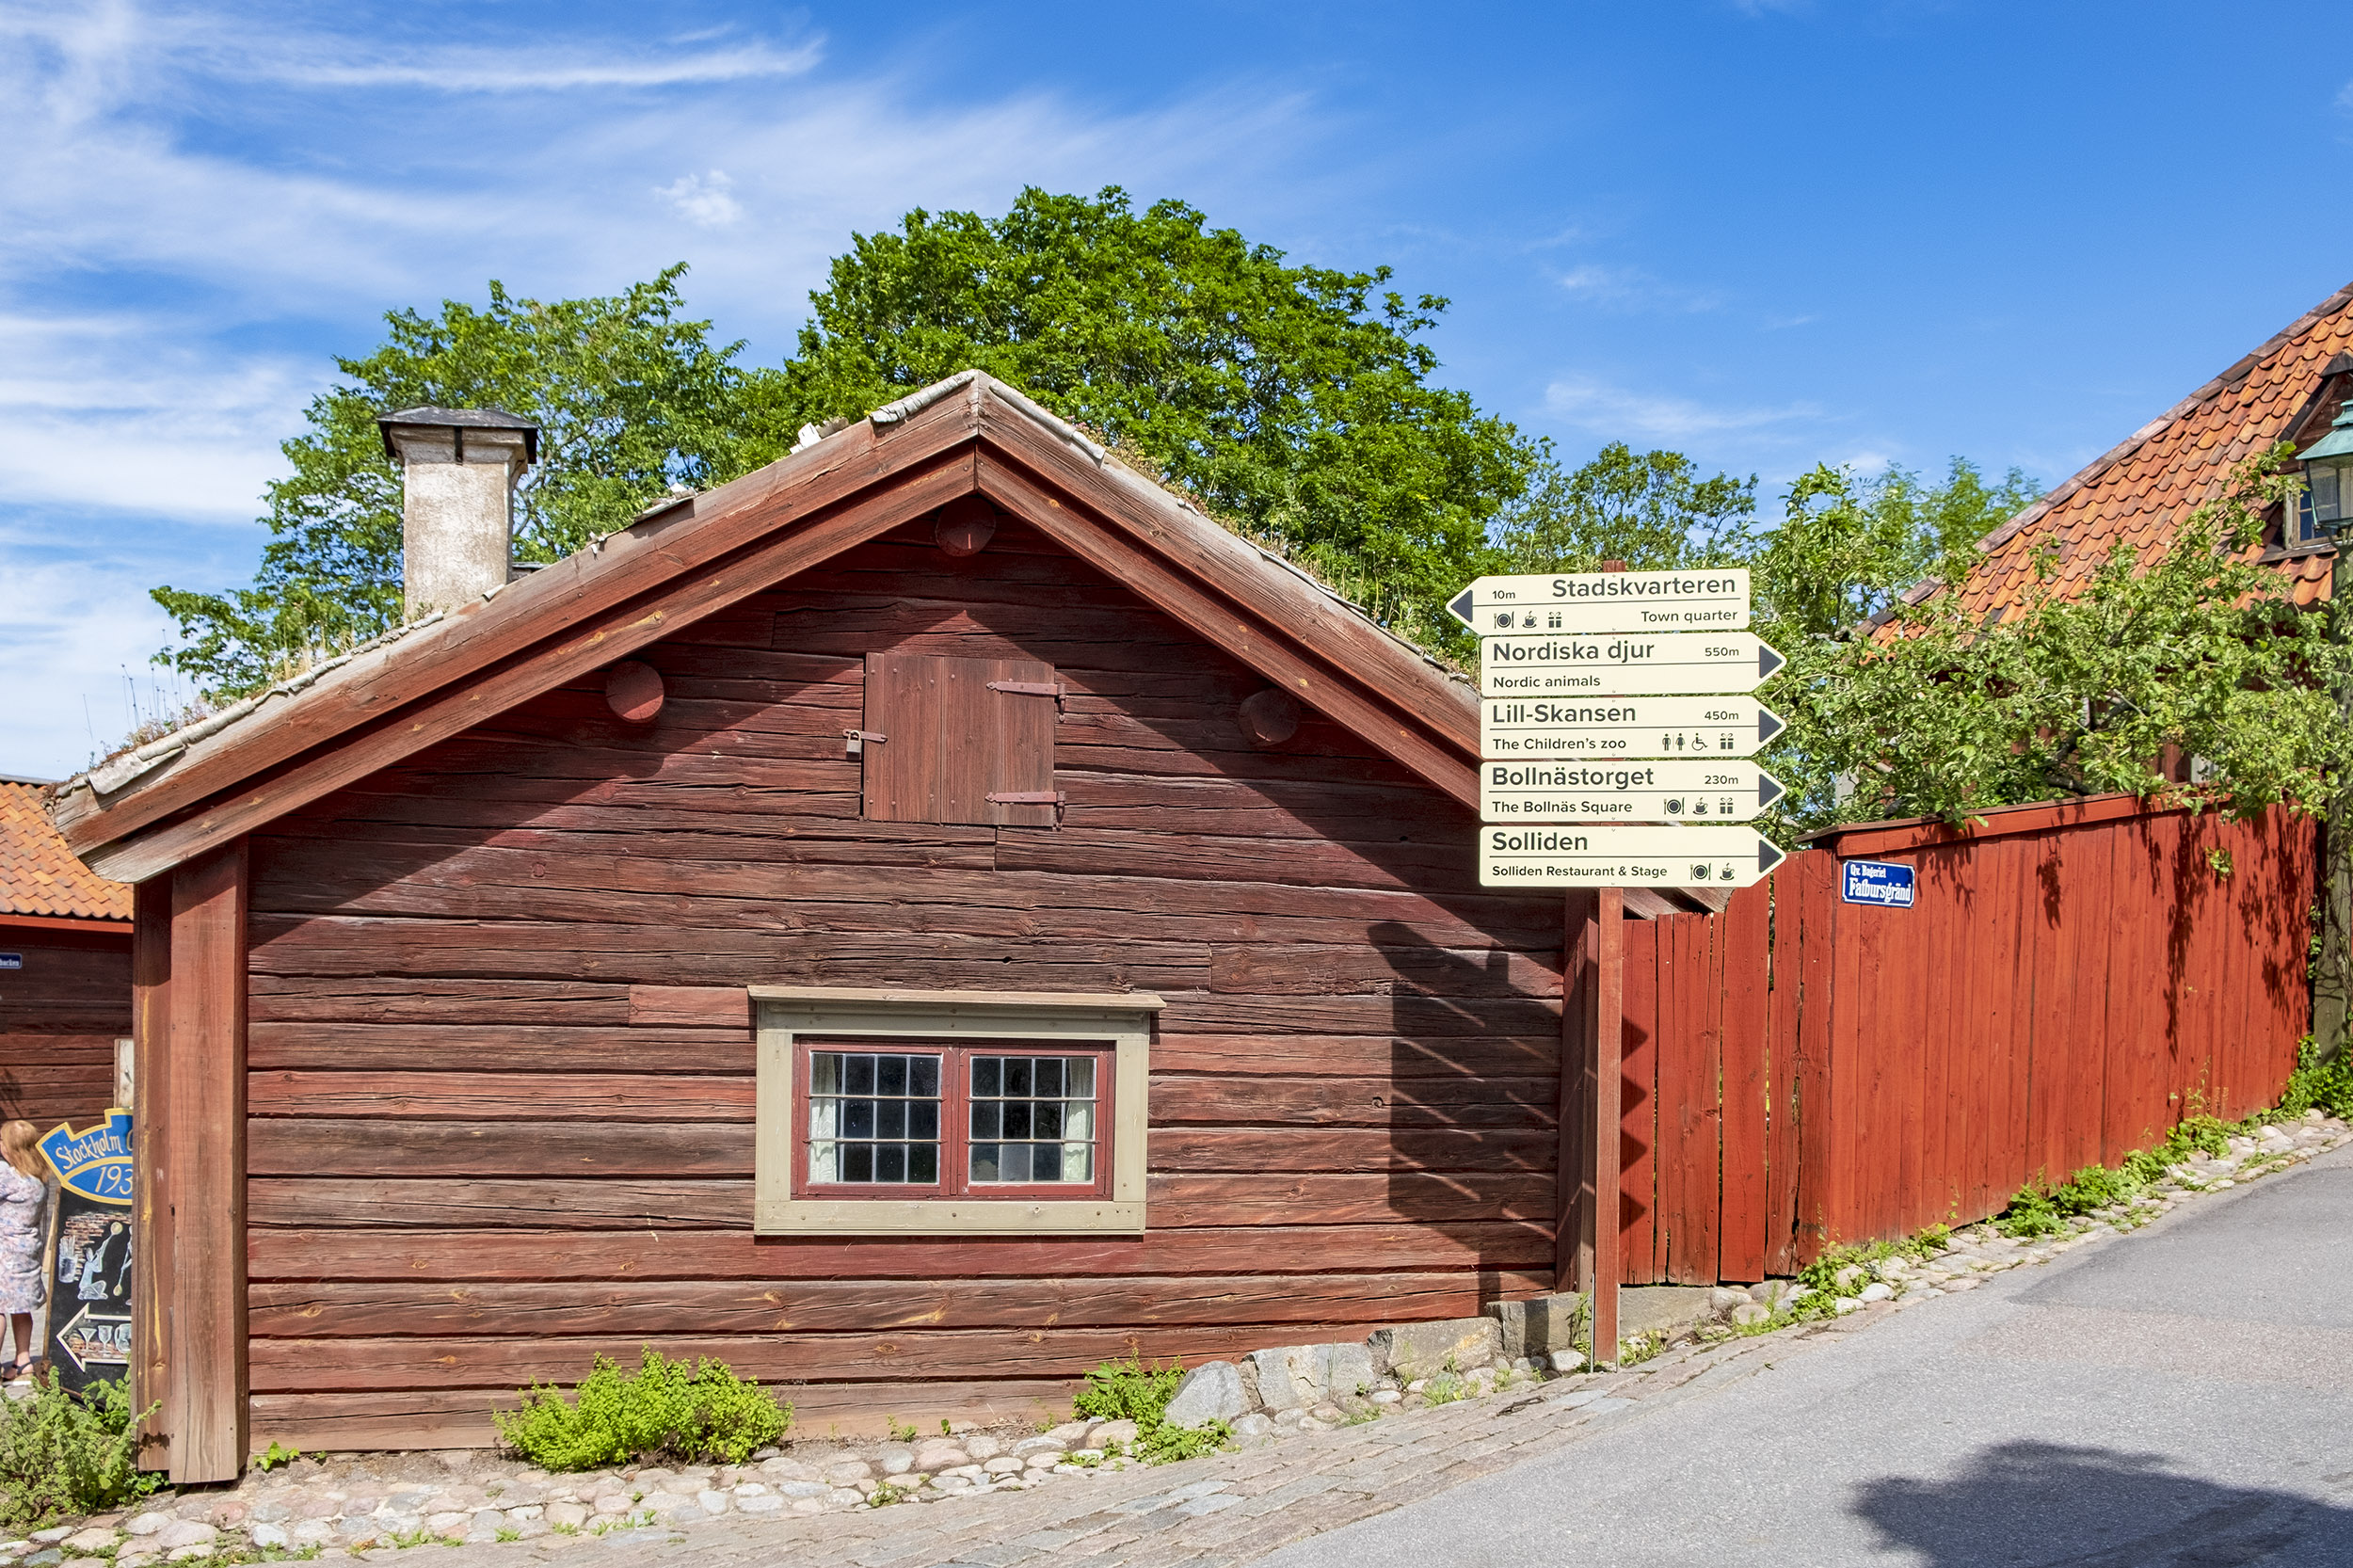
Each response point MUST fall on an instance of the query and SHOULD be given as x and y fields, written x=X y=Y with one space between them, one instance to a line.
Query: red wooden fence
x=2071 y=981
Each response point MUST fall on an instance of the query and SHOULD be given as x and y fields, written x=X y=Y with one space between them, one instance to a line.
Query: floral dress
x=23 y=1213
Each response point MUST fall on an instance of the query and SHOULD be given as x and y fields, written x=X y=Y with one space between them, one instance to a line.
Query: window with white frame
x=950 y=1112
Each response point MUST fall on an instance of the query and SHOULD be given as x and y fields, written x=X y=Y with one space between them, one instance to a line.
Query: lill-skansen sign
x=1606 y=601
x=1617 y=727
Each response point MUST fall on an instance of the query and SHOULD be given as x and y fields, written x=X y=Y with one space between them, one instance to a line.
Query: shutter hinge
x=1054 y=689
x=856 y=739
x=1031 y=797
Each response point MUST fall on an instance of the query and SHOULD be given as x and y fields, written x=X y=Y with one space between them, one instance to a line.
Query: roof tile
x=39 y=875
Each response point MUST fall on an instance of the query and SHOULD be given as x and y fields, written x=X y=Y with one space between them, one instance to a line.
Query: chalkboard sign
x=89 y=1253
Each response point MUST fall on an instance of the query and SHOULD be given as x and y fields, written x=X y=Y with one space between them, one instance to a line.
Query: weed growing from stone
x=509 y=1532
x=901 y=1432
x=885 y=1494
x=1132 y=1391
x=699 y=1414
x=64 y=1454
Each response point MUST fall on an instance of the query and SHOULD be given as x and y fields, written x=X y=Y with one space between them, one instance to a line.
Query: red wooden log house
x=913 y=922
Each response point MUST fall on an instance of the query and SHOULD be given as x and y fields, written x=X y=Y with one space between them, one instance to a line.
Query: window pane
x=873 y=1117
x=1033 y=1119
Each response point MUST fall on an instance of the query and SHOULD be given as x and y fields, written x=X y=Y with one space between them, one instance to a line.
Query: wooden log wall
x=60 y=1016
x=501 y=1064
x=2071 y=982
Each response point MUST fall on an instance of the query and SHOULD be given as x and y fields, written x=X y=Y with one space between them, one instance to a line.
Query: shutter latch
x=856 y=741
x=1031 y=797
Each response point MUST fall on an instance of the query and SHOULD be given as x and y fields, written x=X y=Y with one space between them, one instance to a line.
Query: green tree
x=1295 y=401
x=2189 y=646
x=1650 y=509
x=631 y=396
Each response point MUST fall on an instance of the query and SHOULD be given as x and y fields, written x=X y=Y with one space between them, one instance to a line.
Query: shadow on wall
x=2052 y=1505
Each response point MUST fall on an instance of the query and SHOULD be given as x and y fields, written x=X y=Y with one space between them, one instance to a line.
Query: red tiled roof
x=39 y=875
x=2139 y=491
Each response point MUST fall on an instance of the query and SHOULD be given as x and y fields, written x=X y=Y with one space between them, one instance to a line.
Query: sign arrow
x=1624 y=665
x=1603 y=601
x=1618 y=728
x=1682 y=790
x=1527 y=856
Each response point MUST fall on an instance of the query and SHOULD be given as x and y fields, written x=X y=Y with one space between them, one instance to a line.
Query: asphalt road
x=2182 y=1397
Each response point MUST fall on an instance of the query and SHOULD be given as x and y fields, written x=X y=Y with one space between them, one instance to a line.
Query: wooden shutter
x=951 y=739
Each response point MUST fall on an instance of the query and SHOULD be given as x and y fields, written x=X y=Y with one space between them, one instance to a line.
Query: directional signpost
x=1613 y=722
x=1618 y=726
x=1607 y=602
x=1627 y=663
x=1624 y=792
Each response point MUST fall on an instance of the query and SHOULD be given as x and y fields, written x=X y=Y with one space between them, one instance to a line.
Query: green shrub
x=705 y=1414
x=1131 y=1391
x=2326 y=1087
x=63 y=1454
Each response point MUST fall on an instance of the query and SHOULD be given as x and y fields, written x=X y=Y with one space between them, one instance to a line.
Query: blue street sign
x=1879 y=882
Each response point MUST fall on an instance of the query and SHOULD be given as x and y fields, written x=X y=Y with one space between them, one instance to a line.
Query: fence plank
x=1637 y=1165
x=1781 y=1068
x=1741 y=934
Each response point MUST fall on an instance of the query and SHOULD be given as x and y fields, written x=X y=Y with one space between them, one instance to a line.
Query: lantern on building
x=2328 y=475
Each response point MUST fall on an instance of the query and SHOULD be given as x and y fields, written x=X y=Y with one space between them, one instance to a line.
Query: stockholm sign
x=1606 y=601
x=1612 y=727
x=1624 y=792
x=1624 y=664
x=1514 y=728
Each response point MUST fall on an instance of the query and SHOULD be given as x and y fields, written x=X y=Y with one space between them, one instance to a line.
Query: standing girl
x=24 y=1224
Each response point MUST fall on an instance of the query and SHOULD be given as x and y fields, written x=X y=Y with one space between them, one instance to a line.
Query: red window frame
x=955 y=1118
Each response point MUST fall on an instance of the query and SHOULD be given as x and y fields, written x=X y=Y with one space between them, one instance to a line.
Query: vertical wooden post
x=1608 y=1036
x=205 y=1180
x=150 y=1116
x=1573 y=1234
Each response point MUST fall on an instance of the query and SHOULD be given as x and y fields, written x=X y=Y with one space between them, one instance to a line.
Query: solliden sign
x=1669 y=857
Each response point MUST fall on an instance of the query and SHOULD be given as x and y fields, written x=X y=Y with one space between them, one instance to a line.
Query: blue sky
x=1766 y=234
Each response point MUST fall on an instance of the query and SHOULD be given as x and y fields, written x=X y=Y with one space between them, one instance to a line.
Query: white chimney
x=457 y=516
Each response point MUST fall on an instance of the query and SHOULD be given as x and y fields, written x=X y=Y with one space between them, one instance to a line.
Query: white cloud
x=1632 y=289
x=533 y=71
x=1619 y=411
x=136 y=412
x=74 y=636
x=704 y=199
